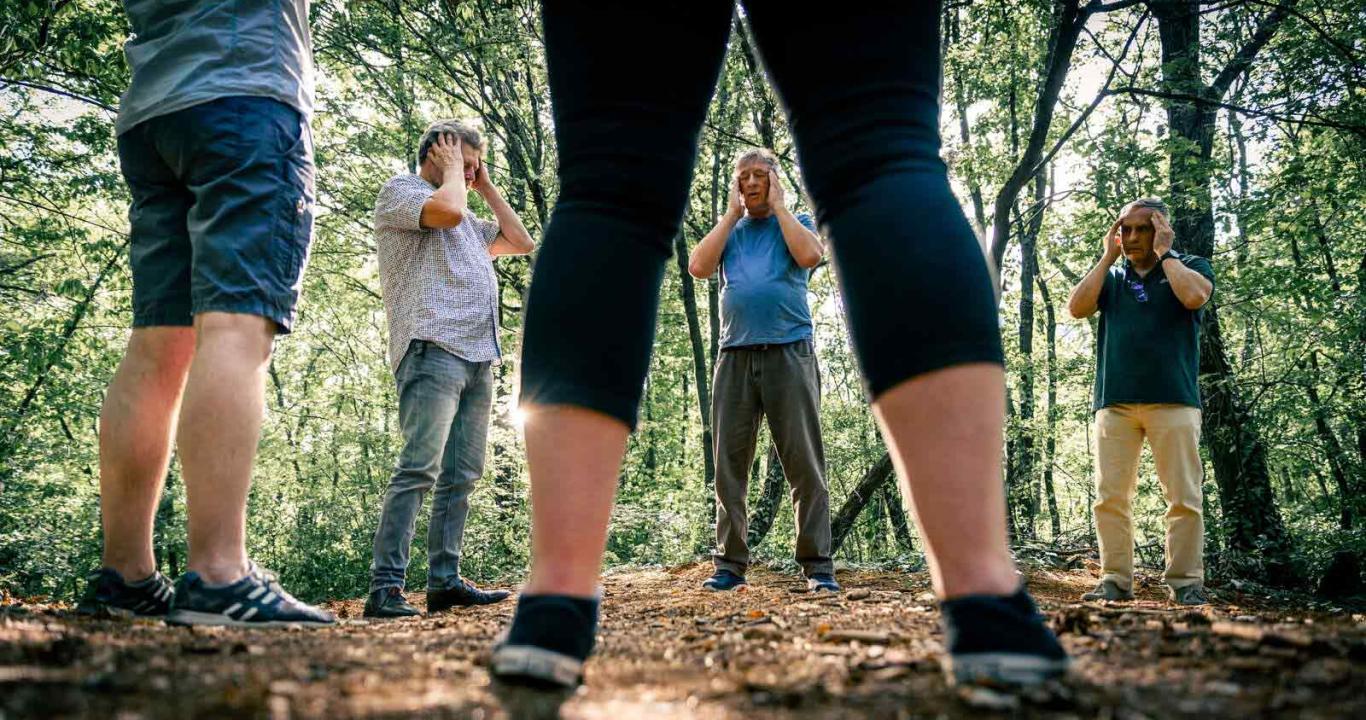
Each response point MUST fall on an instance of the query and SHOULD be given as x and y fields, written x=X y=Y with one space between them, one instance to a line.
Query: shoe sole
x=738 y=588
x=1003 y=669
x=195 y=617
x=461 y=606
x=513 y=662
x=107 y=612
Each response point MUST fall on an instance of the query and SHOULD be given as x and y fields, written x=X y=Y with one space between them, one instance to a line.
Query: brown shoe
x=1109 y=590
x=463 y=595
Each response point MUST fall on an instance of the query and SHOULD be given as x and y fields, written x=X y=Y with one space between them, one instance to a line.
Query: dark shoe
x=1109 y=590
x=724 y=581
x=256 y=600
x=547 y=643
x=999 y=641
x=108 y=595
x=1189 y=595
x=389 y=603
x=463 y=595
x=822 y=582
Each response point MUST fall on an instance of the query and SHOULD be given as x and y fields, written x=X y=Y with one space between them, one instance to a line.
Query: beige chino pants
x=1173 y=433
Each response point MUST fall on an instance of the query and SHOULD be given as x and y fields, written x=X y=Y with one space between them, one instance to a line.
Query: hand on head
x=1163 y=234
x=736 y=205
x=480 y=181
x=777 y=196
x=446 y=154
x=1113 y=244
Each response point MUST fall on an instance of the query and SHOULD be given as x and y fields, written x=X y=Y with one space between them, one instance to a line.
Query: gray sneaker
x=1108 y=590
x=1189 y=595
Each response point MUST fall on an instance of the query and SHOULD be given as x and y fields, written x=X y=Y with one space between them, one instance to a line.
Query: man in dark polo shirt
x=767 y=367
x=1147 y=368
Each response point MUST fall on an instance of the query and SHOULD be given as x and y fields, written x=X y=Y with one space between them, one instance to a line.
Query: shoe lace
x=272 y=583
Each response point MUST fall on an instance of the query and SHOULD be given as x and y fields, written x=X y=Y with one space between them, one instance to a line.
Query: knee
x=164 y=351
x=1185 y=507
x=412 y=478
x=241 y=335
x=1112 y=502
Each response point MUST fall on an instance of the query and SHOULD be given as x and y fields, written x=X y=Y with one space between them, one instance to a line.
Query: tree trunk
x=896 y=516
x=880 y=474
x=166 y=555
x=969 y=170
x=1050 y=432
x=1021 y=485
x=699 y=366
x=766 y=510
x=1252 y=518
x=1337 y=459
x=1062 y=41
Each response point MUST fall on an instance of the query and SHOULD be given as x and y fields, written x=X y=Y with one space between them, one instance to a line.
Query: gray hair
x=1154 y=203
x=757 y=154
x=462 y=129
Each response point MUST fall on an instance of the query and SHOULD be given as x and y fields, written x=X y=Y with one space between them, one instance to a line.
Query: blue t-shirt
x=763 y=290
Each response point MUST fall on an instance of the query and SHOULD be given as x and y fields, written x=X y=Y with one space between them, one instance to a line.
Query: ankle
x=563 y=581
x=220 y=572
x=132 y=571
x=996 y=579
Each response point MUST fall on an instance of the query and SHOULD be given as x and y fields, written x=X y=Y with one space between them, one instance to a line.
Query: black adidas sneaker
x=257 y=600
x=107 y=594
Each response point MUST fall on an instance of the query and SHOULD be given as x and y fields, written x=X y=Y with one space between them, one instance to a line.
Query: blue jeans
x=444 y=404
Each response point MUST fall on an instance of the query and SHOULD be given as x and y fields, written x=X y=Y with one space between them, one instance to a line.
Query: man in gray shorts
x=214 y=143
x=767 y=367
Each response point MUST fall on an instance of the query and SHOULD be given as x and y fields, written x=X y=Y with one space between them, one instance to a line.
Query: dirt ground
x=670 y=650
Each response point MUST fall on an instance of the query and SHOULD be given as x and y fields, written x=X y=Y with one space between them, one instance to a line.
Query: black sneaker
x=463 y=595
x=822 y=582
x=256 y=600
x=389 y=603
x=547 y=643
x=999 y=641
x=724 y=581
x=107 y=594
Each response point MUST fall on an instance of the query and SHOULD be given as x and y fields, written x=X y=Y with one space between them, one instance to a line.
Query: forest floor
x=670 y=650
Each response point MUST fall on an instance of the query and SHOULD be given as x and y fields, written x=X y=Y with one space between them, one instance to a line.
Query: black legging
x=630 y=84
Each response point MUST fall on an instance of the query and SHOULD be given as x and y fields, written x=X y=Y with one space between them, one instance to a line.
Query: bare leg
x=574 y=456
x=220 y=425
x=944 y=431
x=137 y=423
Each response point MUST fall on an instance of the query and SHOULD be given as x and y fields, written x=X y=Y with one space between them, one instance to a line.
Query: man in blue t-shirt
x=1147 y=368
x=767 y=366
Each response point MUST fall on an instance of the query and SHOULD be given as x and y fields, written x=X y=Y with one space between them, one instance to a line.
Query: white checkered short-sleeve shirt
x=438 y=283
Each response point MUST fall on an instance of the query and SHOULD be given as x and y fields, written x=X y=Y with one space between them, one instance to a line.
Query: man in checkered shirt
x=441 y=299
